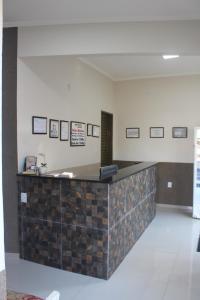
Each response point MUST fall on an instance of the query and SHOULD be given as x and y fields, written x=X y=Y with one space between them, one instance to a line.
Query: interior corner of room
x=70 y=88
x=134 y=101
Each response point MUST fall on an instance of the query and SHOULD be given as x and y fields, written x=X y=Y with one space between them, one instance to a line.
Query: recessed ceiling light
x=170 y=56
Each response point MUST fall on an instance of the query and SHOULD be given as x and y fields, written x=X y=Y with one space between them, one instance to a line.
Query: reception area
x=98 y=155
x=85 y=224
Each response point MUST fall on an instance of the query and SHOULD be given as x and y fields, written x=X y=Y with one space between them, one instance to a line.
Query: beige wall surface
x=60 y=88
x=167 y=102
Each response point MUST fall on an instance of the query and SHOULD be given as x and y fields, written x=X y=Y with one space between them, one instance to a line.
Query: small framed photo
x=179 y=132
x=89 y=129
x=39 y=125
x=53 y=128
x=132 y=133
x=156 y=132
x=95 y=131
x=64 y=130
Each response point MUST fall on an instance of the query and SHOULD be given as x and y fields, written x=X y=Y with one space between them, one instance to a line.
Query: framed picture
x=89 y=129
x=95 y=131
x=156 y=132
x=132 y=133
x=53 y=128
x=77 y=134
x=39 y=125
x=64 y=130
x=179 y=132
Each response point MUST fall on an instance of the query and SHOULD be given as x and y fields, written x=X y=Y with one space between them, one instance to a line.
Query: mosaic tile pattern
x=127 y=193
x=117 y=200
x=41 y=242
x=116 y=246
x=85 y=204
x=43 y=198
x=84 y=227
x=85 y=250
x=137 y=193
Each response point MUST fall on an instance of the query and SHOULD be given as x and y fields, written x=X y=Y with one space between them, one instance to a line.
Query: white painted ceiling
x=117 y=67
x=124 y=67
x=39 y=12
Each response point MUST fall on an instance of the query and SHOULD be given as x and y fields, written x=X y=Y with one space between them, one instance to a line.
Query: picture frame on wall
x=89 y=129
x=64 y=130
x=156 y=132
x=179 y=132
x=53 y=128
x=132 y=133
x=77 y=134
x=96 y=131
x=39 y=125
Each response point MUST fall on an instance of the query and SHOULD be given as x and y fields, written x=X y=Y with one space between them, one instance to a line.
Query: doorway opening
x=106 y=138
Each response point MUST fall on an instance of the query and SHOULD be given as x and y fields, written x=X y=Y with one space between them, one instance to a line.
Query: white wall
x=2 y=263
x=61 y=88
x=140 y=37
x=166 y=102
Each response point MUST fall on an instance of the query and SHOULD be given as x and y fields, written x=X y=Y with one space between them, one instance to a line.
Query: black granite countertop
x=91 y=172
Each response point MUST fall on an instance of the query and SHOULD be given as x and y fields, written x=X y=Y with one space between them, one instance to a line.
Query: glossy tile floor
x=163 y=265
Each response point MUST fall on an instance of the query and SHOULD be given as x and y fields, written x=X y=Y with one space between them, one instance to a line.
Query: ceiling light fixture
x=170 y=56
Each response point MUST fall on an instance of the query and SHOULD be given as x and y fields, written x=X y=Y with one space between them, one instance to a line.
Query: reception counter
x=85 y=224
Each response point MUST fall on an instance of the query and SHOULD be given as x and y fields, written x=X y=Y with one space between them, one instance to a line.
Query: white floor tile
x=163 y=265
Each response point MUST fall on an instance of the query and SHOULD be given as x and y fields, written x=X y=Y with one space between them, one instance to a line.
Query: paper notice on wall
x=77 y=134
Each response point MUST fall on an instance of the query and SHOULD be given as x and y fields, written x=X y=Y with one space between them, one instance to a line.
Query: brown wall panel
x=181 y=175
x=9 y=137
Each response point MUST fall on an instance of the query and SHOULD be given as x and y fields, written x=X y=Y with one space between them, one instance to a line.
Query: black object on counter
x=108 y=171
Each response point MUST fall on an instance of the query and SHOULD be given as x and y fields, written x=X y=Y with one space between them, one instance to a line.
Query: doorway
x=106 y=138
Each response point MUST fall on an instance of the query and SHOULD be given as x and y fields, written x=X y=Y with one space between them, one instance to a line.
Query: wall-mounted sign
x=89 y=129
x=39 y=125
x=95 y=130
x=64 y=130
x=132 y=133
x=156 y=132
x=53 y=128
x=179 y=132
x=77 y=134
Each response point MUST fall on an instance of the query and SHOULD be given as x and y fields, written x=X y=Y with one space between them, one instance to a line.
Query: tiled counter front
x=65 y=223
x=131 y=209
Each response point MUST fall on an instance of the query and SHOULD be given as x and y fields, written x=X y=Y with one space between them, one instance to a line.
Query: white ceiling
x=117 y=67
x=39 y=12
x=124 y=67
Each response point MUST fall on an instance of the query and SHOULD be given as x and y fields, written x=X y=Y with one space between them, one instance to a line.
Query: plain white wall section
x=163 y=102
x=180 y=37
x=60 y=88
x=2 y=262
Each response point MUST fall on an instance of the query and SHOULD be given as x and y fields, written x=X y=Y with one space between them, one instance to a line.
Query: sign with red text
x=77 y=134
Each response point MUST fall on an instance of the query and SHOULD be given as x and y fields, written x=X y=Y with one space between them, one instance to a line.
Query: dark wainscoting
x=181 y=175
x=9 y=137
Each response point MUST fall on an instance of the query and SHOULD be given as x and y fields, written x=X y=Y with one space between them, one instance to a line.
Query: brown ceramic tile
x=85 y=250
x=85 y=203
x=43 y=198
x=42 y=242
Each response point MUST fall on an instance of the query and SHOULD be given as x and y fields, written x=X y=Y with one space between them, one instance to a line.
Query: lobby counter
x=85 y=225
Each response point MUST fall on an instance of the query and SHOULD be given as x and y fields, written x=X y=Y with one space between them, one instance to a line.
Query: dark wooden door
x=106 y=138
